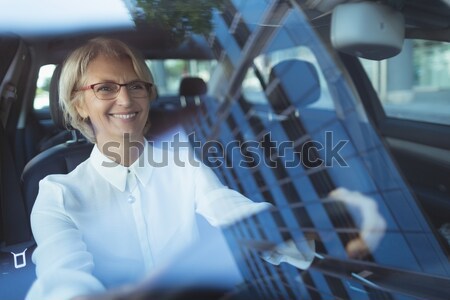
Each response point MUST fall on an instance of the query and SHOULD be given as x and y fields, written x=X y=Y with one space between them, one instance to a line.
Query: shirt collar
x=142 y=167
x=116 y=174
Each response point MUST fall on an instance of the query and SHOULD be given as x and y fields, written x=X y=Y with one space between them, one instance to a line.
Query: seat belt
x=15 y=221
x=9 y=95
x=8 y=87
x=15 y=225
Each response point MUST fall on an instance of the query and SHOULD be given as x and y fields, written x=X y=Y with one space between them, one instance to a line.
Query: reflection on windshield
x=290 y=89
x=178 y=17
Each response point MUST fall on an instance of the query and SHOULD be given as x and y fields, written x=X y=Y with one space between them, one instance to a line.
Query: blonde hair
x=73 y=76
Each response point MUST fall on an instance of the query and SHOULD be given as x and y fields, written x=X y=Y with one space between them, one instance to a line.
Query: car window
x=41 y=99
x=168 y=73
x=415 y=84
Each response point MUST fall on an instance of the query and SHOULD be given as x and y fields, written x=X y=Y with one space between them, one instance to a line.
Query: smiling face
x=112 y=119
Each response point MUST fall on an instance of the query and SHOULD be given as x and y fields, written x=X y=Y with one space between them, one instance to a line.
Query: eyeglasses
x=110 y=90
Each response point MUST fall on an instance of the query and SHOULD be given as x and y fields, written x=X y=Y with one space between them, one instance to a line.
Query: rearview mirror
x=367 y=29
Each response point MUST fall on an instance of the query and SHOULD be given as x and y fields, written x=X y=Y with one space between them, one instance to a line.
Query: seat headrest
x=55 y=110
x=293 y=82
x=192 y=86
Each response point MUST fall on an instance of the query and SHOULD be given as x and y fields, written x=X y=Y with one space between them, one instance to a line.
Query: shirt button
x=131 y=199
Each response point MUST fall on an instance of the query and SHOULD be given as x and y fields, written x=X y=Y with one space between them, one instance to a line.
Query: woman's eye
x=104 y=88
x=136 y=86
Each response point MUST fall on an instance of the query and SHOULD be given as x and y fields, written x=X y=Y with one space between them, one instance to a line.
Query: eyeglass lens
x=109 y=90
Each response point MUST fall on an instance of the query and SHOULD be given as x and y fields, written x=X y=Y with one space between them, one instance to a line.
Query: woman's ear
x=81 y=109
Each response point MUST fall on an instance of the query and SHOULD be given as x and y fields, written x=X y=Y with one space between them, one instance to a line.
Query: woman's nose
x=123 y=98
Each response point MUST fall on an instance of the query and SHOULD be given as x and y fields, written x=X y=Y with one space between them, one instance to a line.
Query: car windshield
x=269 y=96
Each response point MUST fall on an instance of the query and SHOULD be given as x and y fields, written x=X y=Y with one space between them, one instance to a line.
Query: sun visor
x=367 y=29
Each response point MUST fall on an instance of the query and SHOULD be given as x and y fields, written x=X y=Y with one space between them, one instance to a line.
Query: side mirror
x=367 y=29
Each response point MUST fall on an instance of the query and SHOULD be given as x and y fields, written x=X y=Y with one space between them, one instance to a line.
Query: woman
x=131 y=206
x=117 y=215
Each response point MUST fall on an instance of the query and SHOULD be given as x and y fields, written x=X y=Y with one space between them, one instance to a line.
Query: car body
x=301 y=99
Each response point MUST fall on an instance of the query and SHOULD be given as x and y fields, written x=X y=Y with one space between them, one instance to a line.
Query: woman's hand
x=364 y=211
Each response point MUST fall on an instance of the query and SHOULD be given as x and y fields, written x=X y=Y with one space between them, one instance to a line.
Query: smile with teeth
x=124 y=116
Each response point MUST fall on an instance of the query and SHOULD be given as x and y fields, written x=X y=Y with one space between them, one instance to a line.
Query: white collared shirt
x=104 y=225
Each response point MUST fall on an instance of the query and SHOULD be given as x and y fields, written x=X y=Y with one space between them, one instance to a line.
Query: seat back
x=59 y=159
x=191 y=88
x=39 y=137
x=293 y=82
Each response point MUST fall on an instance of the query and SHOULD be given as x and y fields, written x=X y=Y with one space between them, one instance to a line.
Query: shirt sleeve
x=220 y=205
x=63 y=264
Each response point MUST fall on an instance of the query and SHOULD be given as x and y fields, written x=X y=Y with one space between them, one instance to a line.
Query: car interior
x=373 y=74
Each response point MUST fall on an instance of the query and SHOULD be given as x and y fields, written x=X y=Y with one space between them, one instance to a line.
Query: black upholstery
x=59 y=159
x=191 y=89
x=55 y=110
x=14 y=225
x=166 y=115
x=65 y=131
x=37 y=137
x=192 y=86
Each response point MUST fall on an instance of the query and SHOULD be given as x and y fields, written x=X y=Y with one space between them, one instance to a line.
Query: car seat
x=59 y=159
x=191 y=88
x=169 y=117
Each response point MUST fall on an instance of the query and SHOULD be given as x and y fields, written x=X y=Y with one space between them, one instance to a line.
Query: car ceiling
x=152 y=43
x=66 y=25
x=423 y=19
